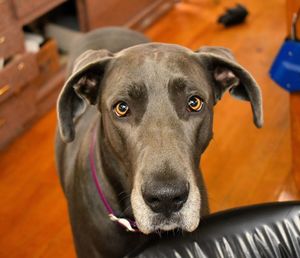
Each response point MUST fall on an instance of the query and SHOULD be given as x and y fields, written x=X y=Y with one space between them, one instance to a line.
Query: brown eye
x=121 y=109
x=195 y=104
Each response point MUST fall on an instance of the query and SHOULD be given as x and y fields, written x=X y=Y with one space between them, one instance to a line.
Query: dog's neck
x=111 y=177
x=115 y=176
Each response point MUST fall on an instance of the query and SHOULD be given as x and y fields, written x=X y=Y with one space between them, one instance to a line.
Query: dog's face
x=156 y=103
x=157 y=114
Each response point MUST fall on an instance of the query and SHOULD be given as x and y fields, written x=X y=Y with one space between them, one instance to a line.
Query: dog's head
x=156 y=103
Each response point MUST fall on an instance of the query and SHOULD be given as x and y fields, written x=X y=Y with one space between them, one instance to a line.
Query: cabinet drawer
x=21 y=70
x=28 y=10
x=16 y=112
x=48 y=62
x=11 y=40
x=134 y=13
x=25 y=7
x=7 y=15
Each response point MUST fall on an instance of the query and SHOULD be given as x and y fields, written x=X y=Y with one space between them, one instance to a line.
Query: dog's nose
x=165 y=198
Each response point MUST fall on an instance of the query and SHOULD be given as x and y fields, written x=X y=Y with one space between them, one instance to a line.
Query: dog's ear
x=227 y=74
x=82 y=87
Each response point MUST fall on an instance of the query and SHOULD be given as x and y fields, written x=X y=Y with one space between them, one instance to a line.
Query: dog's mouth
x=163 y=223
x=160 y=223
x=185 y=219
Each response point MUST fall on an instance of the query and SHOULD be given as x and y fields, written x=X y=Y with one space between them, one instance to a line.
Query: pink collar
x=126 y=223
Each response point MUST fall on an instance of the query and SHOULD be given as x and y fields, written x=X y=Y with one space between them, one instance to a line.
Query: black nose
x=165 y=198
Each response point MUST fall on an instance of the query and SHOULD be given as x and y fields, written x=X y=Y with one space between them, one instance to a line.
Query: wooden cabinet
x=7 y=14
x=11 y=34
x=20 y=71
x=136 y=14
x=30 y=83
x=11 y=40
x=25 y=8
x=22 y=77
x=50 y=76
x=17 y=113
x=28 y=10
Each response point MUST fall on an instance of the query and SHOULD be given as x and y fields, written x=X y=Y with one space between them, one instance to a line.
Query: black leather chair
x=261 y=231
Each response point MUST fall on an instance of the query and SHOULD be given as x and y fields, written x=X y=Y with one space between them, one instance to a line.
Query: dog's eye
x=195 y=104
x=121 y=109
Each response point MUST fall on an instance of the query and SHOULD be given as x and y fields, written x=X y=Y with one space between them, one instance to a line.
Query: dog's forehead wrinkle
x=154 y=47
x=136 y=90
x=164 y=55
x=183 y=85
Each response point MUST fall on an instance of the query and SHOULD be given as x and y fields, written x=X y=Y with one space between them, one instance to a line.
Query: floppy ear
x=227 y=74
x=82 y=87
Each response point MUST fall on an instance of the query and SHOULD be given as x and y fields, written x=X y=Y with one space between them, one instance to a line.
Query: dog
x=134 y=118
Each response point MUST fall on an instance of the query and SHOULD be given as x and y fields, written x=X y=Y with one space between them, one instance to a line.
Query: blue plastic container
x=285 y=70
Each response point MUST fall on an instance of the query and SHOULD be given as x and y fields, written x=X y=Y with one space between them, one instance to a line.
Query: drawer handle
x=21 y=66
x=2 y=40
x=2 y=122
x=4 y=89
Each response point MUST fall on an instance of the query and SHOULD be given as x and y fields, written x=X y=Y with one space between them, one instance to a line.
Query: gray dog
x=134 y=118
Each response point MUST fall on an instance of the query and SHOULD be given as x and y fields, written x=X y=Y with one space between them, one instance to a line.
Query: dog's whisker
x=125 y=197
x=121 y=193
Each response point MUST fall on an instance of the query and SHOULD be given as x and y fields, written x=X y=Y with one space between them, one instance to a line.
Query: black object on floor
x=268 y=230
x=233 y=16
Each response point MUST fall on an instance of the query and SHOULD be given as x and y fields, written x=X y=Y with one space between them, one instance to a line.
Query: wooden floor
x=243 y=165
